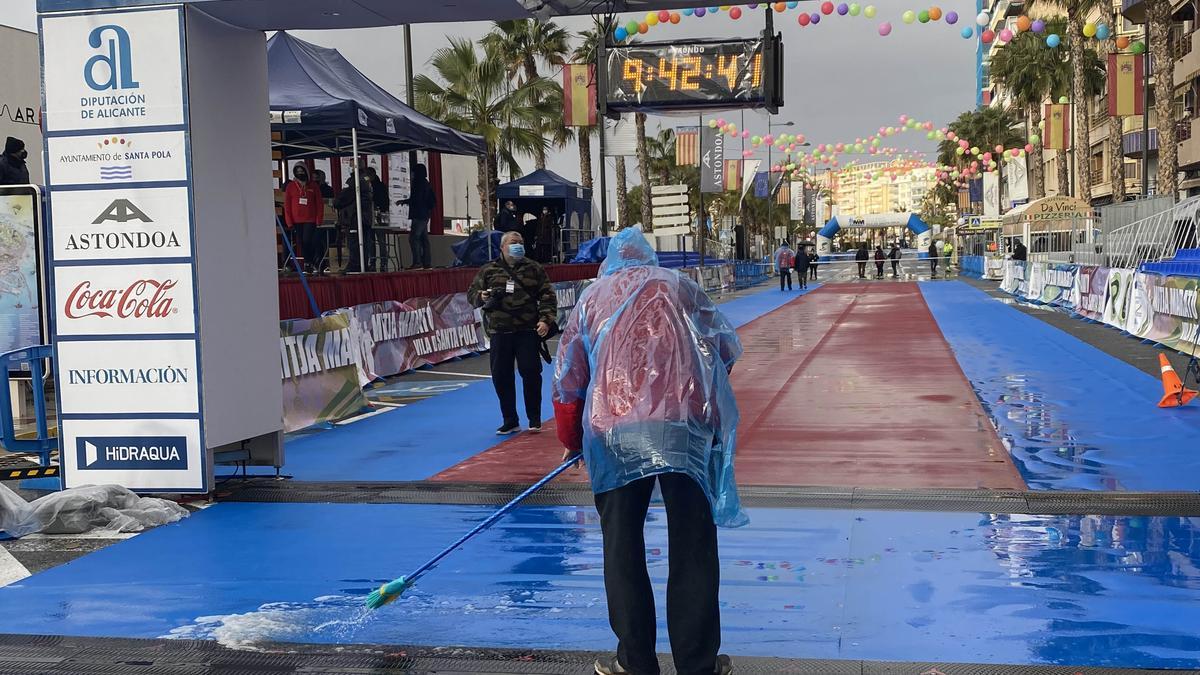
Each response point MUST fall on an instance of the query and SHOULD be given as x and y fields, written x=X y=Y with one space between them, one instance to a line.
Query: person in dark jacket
x=520 y=309
x=802 y=261
x=348 y=221
x=13 y=170
x=862 y=256
x=894 y=256
x=879 y=258
x=813 y=259
x=379 y=191
x=934 y=254
x=323 y=183
x=506 y=220
x=1020 y=252
x=420 y=202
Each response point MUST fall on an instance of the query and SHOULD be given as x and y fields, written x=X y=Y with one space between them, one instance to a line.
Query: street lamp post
x=770 y=204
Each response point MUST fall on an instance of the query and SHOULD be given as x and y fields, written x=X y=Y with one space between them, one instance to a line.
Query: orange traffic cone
x=1174 y=394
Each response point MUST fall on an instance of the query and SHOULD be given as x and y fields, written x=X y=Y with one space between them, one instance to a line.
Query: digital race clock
x=694 y=75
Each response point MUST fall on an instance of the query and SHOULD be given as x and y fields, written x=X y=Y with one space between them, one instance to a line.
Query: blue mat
x=1074 y=418
x=795 y=583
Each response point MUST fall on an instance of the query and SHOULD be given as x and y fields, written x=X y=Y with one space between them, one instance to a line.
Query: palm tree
x=1077 y=12
x=520 y=44
x=475 y=96
x=643 y=158
x=1030 y=73
x=1158 y=24
x=622 y=193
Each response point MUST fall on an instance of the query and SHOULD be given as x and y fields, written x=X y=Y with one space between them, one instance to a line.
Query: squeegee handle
x=492 y=519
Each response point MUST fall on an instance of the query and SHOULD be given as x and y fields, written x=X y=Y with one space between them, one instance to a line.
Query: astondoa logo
x=163 y=453
x=122 y=211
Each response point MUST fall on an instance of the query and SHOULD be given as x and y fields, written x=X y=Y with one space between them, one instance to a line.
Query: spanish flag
x=733 y=175
x=687 y=146
x=1058 y=126
x=579 y=95
x=1125 y=80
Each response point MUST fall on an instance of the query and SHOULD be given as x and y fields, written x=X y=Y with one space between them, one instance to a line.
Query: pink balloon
x=963 y=143
x=799 y=138
x=903 y=119
x=987 y=156
x=929 y=126
x=1028 y=147
x=821 y=148
x=1005 y=35
x=745 y=134
x=951 y=135
x=999 y=149
x=768 y=139
x=841 y=147
x=747 y=153
x=720 y=121
x=885 y=29
x=1015 y=152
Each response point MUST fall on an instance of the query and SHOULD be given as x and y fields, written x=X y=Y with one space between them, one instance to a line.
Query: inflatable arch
x=910 y=220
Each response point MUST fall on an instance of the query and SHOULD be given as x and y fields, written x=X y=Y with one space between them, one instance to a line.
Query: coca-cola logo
x=141 y=299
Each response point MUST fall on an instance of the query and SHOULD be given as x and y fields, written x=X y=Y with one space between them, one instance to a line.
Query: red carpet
x=852 y=385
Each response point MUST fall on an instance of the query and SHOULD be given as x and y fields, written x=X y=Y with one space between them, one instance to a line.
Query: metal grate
x=949 y=500
x=170 y=657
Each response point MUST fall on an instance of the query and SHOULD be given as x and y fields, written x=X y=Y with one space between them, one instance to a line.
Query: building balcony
x=1132 y=143
x=1189 y=144
x=1187 y=62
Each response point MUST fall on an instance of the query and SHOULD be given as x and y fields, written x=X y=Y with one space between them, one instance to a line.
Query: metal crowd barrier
x=35 y=361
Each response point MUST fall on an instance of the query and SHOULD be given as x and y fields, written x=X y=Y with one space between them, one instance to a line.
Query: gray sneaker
x=608 y=665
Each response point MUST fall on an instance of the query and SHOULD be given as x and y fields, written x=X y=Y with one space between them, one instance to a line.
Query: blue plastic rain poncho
x=641 y=383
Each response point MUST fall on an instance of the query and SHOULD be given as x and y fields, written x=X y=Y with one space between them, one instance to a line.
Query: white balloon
x=983 y=19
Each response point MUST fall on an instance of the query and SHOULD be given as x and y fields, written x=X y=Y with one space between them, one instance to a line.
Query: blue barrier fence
x=33 y=360
x=974 y=266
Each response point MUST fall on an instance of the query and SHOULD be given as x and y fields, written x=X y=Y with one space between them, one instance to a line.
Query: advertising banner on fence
x=1174 y=312
x=393 y=337
x=1092 y=287
x=320 y=372
x=1117 y=297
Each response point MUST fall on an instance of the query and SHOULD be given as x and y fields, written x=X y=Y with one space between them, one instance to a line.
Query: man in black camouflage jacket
x=519 y=309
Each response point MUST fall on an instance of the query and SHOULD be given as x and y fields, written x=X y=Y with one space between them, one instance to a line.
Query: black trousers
x=368 y=249
x=693 y=614
x=785 y=273
x=418 y=241
x=308 y=248
x=812 y=271
x=879 y=269
x=933 y=267
x=862 y=270
x=520 y=348
x=895 y=268
x=802 y=276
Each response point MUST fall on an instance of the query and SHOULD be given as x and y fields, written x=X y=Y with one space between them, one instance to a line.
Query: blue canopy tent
x=570 y=200
x=320 y=103
x=322 y=106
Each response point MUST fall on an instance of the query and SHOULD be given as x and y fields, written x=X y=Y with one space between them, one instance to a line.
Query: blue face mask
x=516 y=251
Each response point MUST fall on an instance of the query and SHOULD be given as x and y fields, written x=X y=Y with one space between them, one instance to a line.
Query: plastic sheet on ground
x=111 y=508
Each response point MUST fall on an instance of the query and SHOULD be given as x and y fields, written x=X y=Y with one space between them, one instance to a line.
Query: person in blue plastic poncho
x=641 y=388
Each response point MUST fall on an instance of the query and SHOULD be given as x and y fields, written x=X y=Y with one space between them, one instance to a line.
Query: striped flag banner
x=579 y=95
x=687 y=146
x=784 y=196
x=733 y=174
x=1125 y=84
x=1058 y=126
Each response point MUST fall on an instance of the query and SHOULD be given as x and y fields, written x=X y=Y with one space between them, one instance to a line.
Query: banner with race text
x=320 y=371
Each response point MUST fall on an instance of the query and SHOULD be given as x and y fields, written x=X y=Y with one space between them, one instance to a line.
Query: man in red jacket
x=303 y=210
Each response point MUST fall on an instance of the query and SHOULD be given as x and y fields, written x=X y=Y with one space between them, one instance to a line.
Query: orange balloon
x=935 y=13
x=1023 y=23
x=675 y=17
x=1122 y=42
x=643 y=27
x=780 y=7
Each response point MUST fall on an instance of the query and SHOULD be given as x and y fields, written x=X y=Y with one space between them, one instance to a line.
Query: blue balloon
x=967 y=32
x=1102 y=32
x=714 y=10
x=620 y=34
x=793 y=4
x=1052 y=40
x=688 y=12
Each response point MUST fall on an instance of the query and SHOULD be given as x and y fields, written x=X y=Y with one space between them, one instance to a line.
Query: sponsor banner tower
x=161 y=246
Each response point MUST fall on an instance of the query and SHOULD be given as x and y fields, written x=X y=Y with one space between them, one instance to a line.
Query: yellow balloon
x=1089 y=29
x=725 y=8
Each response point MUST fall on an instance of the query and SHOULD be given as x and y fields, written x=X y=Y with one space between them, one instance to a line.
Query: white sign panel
x=108 y=71
x=119 y=224
x=620 y=138
x=399 y=187
x=129 y=376
x=155 y=454
x=117 y=158
x=531 y=190
x=796 y=201
x=991 y=195
x=1016 y=175
x=124 y=300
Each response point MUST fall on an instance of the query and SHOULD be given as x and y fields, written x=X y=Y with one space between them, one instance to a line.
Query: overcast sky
x=842 y=79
